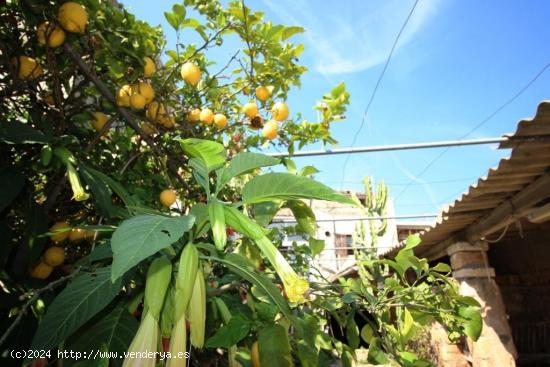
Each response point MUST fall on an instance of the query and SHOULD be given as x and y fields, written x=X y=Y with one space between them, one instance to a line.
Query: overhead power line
x=481 y=123
x=386 y=148
x=382 y=73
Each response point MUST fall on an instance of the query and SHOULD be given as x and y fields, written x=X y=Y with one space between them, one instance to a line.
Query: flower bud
x=196 y=310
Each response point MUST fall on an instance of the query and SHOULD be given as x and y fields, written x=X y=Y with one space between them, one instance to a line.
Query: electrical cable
x=378 y=83
x=481 y=123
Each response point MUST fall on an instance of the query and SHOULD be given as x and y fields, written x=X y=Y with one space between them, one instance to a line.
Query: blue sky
x=457 y=62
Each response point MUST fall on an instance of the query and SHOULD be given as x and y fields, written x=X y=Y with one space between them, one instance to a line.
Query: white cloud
x=351 y=36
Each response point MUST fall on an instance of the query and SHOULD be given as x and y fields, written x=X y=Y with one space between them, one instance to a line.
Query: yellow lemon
x=167 y=197
x=262 y=93
x=60 y=231
x=250 y=110
x=27 y=67
x=137 y=101
x=99 y=120
x=279 y=111
x=77 y=235
x=54 y=256
x=149 y=67
x=123 y=96
x=155 y=111
x=41 y=271
x=270 y=130
x=207 y=116
x=220 y=120
x=190 y=73
x=168 y=121
x=194 y=115
x=54 y=35
x=73 y=17
x=147 y=91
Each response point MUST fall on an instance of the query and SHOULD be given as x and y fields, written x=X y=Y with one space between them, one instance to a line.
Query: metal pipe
x=384 y=148
x=412 y=216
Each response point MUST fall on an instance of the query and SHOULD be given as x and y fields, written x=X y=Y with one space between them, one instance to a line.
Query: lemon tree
x=136 y=201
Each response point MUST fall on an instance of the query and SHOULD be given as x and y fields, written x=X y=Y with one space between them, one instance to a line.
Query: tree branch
x=35 y=294
x=106 y=92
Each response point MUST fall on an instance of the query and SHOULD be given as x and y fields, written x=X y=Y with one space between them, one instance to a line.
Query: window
x=343 y=244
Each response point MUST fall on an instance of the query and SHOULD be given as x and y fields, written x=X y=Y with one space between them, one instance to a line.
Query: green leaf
x=290 y=31
x=395 y=266
x=309 y=337
x=128 y=200
x=266 y=311
x=200 y=212
x=142 y=236
x=230 y=334
x=403 y=260
x=201 y=174
x=15 y=132
x=352 y=332
x=376 y=354
x=84 y=297
x=263 y=213
x=173 y=19
x=304 y=216
x=316 y=246
x=308 y=171
x=408 y=358
x=115 y=330
x=285 y=186
x=442 y=268
x=179 y=10
x=101 y=193
x=211 y=153
x=412 y=241
x=274 y=347
x=407 y=329
x=12 y=183
x=290 y=165
x=100 y=252
x=242 y=267
x=243 y=163
x=349 y=297
x=367 y=333
x=190 y=23
x=474 y=323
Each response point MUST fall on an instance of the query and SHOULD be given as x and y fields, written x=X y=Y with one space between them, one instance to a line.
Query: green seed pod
x=178 y=344
x=224 y=311
x=196 y=311
x=217 y=222
x=158 y=279
x=185 y=280
x=46 y=155
x=167 y=315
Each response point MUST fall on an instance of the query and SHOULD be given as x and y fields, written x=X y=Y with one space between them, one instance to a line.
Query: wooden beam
x=496 y=219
